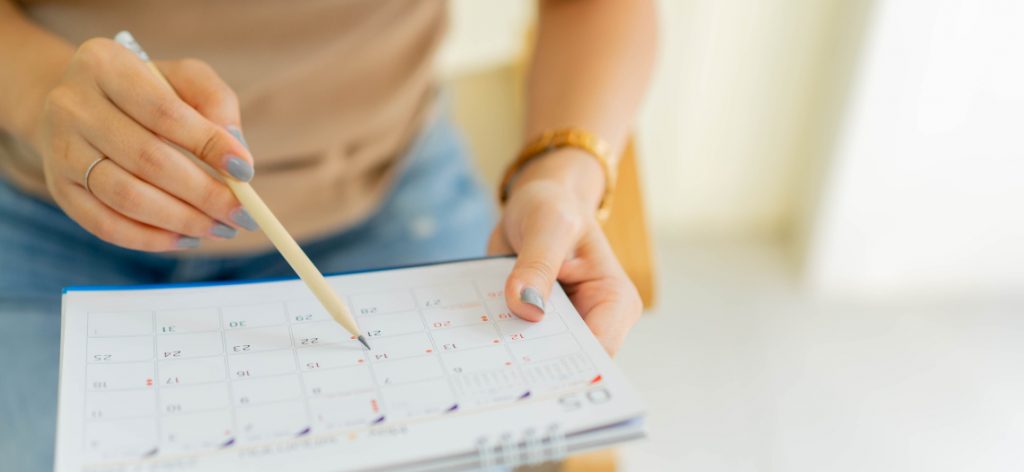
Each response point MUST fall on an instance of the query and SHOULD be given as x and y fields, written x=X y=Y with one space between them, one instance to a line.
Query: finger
x=200 y=86
x=594 y=259
x=607 y=300
x=611 y=319
x=139 y=92
x=142 y=153
x=113 y=227
x=497 y=245
x=548 y=240
x=141 y=201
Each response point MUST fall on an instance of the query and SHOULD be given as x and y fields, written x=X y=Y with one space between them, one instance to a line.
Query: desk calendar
x=256 y=376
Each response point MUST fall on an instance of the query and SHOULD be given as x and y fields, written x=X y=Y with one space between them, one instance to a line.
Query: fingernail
x=239 y=168
x=243 y=219
x=531 y=296
x=188 y=242
x=237 y=133
x=223 y=231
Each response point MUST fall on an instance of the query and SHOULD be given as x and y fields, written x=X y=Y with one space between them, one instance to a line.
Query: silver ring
x=88 y=170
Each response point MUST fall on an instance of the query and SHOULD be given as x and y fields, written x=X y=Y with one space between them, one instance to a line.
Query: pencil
x=273 y=228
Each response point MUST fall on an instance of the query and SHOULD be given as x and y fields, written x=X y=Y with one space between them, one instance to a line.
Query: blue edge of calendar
x=97 y=288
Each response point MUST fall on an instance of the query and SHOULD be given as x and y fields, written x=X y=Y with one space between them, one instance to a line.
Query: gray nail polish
x=188 y=242
x=532 y=296
x=243 y=219
x=224 y=231
x=237 y=133
x=240 y=169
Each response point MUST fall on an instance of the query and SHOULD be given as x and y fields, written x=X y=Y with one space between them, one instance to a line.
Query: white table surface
x=741 y=371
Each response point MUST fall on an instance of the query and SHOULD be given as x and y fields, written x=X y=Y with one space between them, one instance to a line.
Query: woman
x=344 y=137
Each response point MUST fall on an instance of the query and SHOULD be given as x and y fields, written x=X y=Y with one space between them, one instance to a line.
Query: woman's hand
x=549 y=221
x=148 y=195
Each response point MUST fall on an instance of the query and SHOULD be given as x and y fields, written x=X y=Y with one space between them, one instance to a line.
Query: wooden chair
x=627 y=228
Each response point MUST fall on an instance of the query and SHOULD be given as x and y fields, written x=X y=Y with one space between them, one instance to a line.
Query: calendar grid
x=156 y=384
x=376 y=384
x=227 y=370
x=433 y=343
x=85 y=388
x=298 y=367
x=497 y=326
x=270 y=370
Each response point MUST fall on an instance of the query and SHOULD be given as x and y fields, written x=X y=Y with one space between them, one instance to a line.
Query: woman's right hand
x=148 y=195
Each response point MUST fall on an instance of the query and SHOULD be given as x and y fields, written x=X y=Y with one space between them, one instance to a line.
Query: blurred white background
x=836 y=192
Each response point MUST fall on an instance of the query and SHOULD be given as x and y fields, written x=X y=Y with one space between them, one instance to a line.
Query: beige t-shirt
x=331 y=91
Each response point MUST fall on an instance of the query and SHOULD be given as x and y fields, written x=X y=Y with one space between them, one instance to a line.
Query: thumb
x=497 y=244
x=540 y=258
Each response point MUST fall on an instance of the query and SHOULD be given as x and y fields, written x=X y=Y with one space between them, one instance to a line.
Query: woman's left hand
x=555 y=233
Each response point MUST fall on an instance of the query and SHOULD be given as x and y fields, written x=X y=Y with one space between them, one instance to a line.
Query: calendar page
x=257 y=376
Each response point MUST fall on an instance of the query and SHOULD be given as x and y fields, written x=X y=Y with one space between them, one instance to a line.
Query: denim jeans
x=437 y=210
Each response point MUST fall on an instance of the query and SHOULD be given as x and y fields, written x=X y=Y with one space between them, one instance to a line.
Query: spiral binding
x=531 y=449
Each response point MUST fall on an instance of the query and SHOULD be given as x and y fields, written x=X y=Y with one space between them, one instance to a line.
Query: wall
x=723 y=132
x=926 y=189
x=741 y=95
x=881 y=142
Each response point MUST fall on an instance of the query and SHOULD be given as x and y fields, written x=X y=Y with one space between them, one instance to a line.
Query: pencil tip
x=363 y=340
